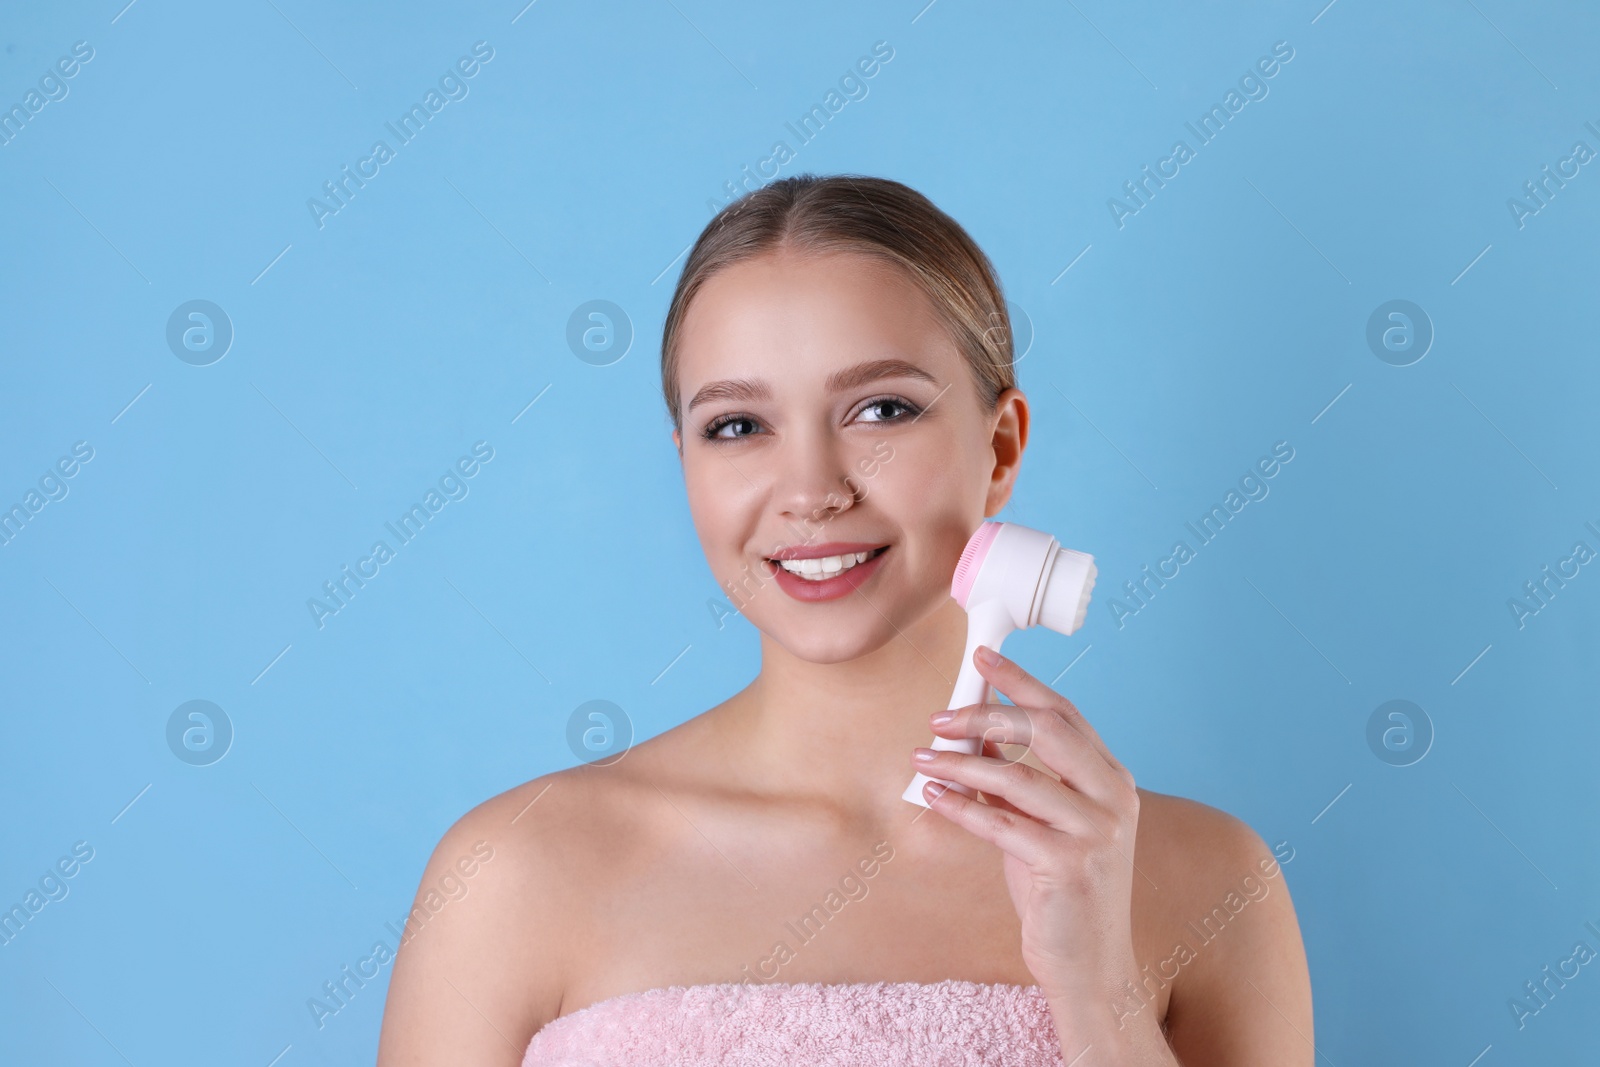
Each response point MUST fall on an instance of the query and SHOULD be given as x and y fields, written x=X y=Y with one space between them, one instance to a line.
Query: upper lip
x=827 y=548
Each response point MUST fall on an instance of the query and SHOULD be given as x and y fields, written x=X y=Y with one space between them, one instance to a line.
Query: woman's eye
x=736 y=427
x=715 y=430
x=887 y=402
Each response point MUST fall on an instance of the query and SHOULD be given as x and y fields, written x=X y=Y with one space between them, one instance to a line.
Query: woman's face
x=827 y=413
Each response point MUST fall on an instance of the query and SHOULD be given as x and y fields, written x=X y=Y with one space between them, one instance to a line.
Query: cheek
x=718 y=506
x=927 y=481
x=936 y=501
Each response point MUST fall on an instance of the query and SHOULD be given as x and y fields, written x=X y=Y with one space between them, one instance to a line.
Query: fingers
x=1023 y=788
x=1011 y=831
x=989 y=748
x=1026 y=690
x=1059 y=745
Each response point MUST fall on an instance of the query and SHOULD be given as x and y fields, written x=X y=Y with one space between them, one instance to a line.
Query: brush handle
x=988 y=625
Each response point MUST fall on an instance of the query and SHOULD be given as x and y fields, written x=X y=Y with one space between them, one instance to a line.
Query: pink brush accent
x=972 y=560
x=745 y=1024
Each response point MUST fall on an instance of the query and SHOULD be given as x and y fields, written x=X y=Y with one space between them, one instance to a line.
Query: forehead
x=783 y=314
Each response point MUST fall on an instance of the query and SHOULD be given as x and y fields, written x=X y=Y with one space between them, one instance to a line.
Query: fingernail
x=932 y=790
x=940 y=718
x=987 y=656
x=923 y=755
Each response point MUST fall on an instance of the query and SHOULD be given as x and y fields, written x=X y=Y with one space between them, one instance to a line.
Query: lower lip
x=839 y=585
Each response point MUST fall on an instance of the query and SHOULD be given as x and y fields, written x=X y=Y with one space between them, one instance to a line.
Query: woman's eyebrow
x=751 y=389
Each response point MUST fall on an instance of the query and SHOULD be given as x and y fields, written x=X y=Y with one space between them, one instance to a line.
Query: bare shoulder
x=501 y=921
x=487 y=947
x=1197 y=857
x=1197 y=837
x=1222 y=912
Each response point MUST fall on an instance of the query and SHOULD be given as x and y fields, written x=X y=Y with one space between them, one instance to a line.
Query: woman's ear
x=1009 y=438
x=677 y=442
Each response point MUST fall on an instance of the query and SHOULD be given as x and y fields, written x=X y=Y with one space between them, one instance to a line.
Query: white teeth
x=827 y=567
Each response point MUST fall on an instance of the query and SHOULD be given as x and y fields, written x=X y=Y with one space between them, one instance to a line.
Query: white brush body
x=1025 y=578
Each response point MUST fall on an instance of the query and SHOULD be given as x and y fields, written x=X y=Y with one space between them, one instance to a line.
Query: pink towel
x=806 y=1024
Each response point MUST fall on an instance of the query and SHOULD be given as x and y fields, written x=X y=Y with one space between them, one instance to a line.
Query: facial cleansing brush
x=1010 y=578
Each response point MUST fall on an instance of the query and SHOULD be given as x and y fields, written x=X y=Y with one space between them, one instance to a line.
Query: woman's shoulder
x=1198 y=850
x=486 y=919
x=1196 y=828
x=509 y=934
x=555 y=830
x=558 y=835
x=572 y=804
x=1202 y=873
x=1200 y=870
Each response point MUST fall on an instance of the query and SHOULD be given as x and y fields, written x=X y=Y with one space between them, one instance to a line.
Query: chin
x=829 y=648
x=842 y=639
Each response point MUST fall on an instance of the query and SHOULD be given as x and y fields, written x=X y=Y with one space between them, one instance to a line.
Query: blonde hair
x=873 y=216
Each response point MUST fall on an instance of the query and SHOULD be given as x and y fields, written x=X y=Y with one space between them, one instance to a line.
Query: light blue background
x=1227 y=315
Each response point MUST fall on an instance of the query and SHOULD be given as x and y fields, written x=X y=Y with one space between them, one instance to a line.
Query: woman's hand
x=1068 y=847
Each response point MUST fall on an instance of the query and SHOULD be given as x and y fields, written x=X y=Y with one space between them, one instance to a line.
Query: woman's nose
x=815 y=481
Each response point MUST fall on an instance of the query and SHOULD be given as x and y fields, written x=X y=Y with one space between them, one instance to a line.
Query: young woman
x=750 y=887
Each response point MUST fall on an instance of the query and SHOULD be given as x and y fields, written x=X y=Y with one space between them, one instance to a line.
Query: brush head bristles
x=1066 y=598
x=972 y=561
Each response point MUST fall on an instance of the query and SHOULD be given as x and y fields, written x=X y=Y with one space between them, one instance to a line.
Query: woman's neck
x=841 y=733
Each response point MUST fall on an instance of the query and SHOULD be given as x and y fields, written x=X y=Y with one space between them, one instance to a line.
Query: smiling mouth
x=825 y=567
